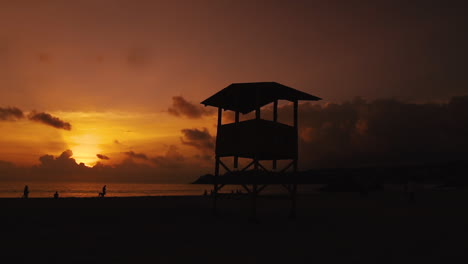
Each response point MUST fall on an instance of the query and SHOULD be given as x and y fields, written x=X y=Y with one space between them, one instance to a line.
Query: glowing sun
x=85 y=147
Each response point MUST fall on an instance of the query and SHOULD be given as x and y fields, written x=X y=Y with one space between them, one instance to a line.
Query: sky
x=116 y=85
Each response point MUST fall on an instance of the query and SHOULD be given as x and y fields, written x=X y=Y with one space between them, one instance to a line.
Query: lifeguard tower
x=256 y=139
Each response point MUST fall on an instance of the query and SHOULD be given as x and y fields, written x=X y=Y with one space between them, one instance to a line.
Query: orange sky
x=112 y=68
x=107 y=133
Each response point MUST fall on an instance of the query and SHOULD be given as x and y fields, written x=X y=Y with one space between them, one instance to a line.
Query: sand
x=330 y=228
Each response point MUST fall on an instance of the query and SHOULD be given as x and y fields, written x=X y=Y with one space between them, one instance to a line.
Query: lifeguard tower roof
x=246 y=97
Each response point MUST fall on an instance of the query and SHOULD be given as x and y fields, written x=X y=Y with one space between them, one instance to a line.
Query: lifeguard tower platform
x=257 y=139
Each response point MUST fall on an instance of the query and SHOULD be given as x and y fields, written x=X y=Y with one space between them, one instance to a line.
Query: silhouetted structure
x=256 y=139
x=26 y=192
x=56 y=195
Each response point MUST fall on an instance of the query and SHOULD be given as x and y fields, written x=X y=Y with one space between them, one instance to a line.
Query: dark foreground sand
x=330 y=228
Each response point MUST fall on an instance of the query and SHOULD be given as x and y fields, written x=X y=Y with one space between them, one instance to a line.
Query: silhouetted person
x=103 y=193
x=205 y=193
x=26 y=192
x=56 y=195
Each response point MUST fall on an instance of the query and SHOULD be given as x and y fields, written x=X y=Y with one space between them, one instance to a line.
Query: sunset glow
x=233 y=131
x=120 y=84
x=85 y=148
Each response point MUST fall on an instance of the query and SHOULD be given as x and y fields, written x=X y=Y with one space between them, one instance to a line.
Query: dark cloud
x=379 y=132
x=103 y=157
x=117 y=142
x=63 y=167
x=67 y=154
x=171 y=167
x=350 y=134
x=183 y=108
x=49 y=120
x=172 y=158
x=132 y=154
x=360 y=133
x=204 y=157
x=66 y=167
x=64 y=163
x=200 y=139
x=6 y=165
x=10 y=114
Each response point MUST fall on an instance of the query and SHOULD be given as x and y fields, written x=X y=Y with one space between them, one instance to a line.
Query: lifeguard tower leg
x=215 y=185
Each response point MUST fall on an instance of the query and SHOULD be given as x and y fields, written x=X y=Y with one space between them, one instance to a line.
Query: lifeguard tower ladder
x=256 y=139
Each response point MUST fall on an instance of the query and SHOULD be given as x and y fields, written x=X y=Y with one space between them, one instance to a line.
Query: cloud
x=49 y=120
x=10 y=114
x=63 y=167
x=386 y=131
x=57 y=165
x=6 y=165
x=377 y=133
x=349 y=134
x=103 y=157
x=200 y=139
x=182 y=108
x=132 y=154
x=171 y=167
x=67 y=154
x=172 y=158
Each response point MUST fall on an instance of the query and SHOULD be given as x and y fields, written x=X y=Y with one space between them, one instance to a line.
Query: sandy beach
x=330 y=228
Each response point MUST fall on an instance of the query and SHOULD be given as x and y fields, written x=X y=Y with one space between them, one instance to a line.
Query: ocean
x=75 y=189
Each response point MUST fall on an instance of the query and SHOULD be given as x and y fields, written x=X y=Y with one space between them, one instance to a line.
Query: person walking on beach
x=26 y=192
x=103 y=193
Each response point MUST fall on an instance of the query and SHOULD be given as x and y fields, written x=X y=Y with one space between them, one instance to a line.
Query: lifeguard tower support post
x=256 y=139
